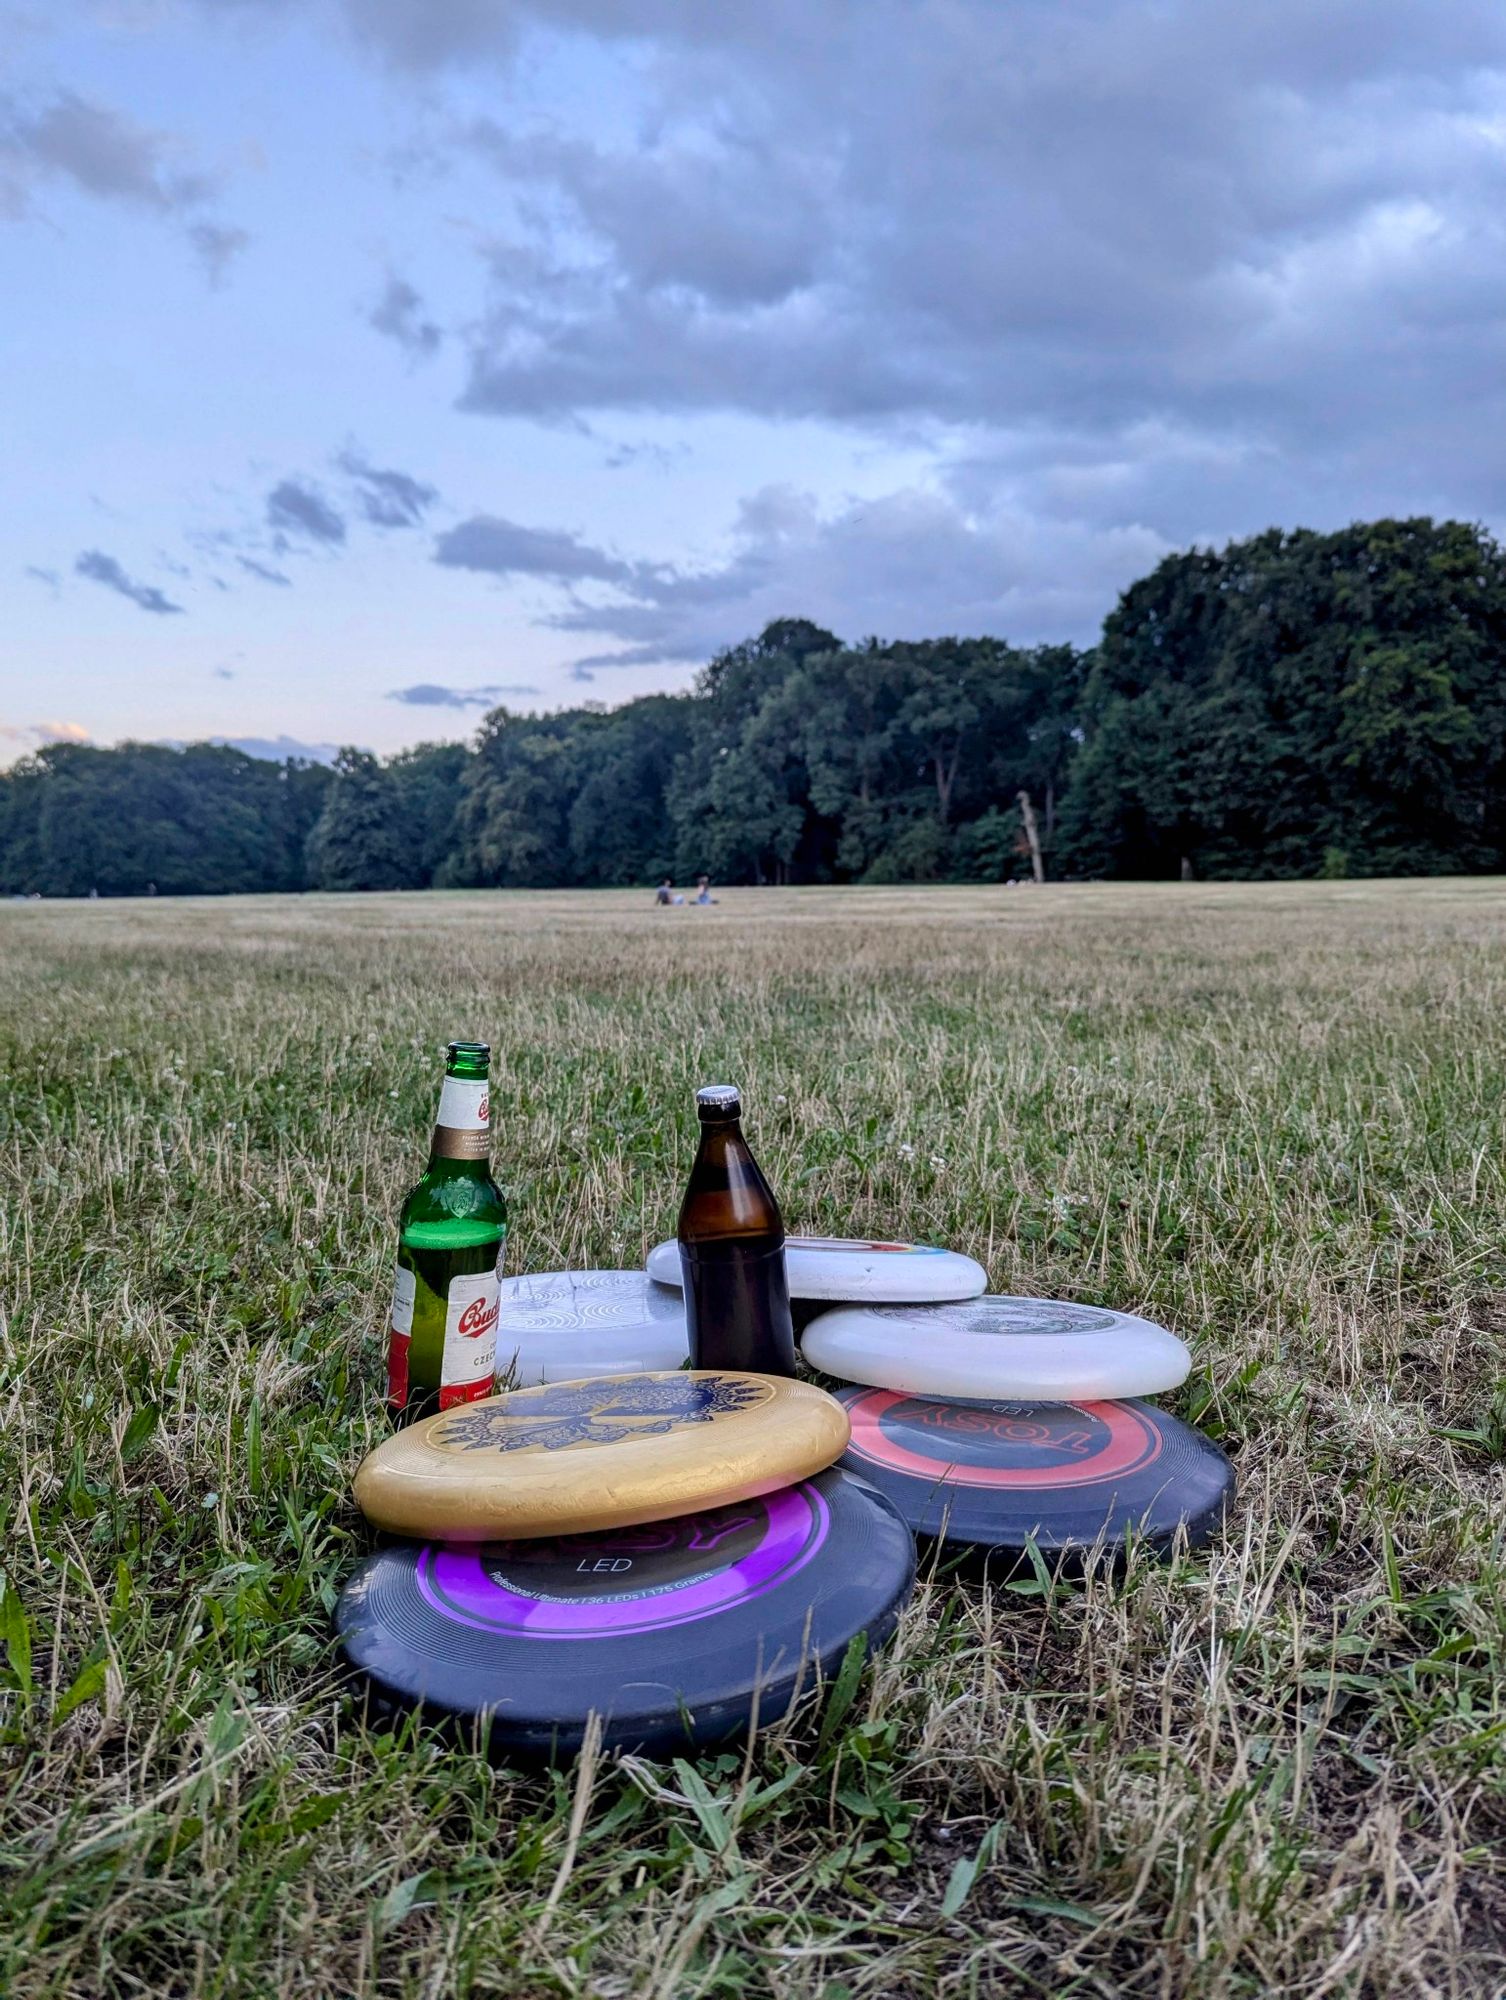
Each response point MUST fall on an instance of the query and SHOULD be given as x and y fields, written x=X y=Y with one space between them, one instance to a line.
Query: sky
x=365 y=365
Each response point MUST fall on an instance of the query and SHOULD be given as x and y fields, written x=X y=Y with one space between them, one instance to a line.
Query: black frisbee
x=1067 y=1476
x=674 y=1632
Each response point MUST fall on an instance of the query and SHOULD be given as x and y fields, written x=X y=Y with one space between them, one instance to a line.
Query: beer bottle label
x=399 y=1338
x=470 y=1339
x=463 y=1128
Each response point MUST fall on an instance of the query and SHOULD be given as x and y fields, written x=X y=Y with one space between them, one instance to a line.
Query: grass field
x=1270 y=1116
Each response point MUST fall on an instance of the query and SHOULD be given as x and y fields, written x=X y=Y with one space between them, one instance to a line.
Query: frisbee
x=997 y=1474
x=676 y=1633
x=836 y=1267
x=557 y=1326
x=1041 y=1350
x=609 y=1452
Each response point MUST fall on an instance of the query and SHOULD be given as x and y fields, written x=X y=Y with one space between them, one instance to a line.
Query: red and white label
x=464 y=1104
x=400 y=1338
x=470 y=1338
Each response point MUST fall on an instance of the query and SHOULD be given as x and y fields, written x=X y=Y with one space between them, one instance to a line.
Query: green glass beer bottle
x=442 y=1348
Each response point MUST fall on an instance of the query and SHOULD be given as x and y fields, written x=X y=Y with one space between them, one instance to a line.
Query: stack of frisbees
x=999 y=1423
x=1006 y=1424
x=674 y=1551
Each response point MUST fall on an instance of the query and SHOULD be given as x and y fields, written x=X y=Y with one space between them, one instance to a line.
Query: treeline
x=1295 y=704
x=203 y=820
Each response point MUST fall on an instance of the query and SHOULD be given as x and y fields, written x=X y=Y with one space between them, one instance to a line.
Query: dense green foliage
x=1301 y=704
x=1293 y=705
x=143 y=816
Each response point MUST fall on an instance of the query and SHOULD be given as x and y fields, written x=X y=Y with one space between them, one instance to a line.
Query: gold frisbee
x=576 y=1457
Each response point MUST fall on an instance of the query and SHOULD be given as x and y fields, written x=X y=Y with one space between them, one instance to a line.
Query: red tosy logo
x=484 y=1111
x=479 y=1317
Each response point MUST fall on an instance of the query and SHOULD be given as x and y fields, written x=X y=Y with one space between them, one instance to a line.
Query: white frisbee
x=1039 y=1350
x=838 y=1267
x=557 y=1326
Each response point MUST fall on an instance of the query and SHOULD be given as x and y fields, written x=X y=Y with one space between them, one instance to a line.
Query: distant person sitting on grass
x=703 y=889
x=665 y=893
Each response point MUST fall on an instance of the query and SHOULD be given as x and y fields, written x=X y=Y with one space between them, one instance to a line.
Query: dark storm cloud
x=399 y=314
x=504 y=548
x=295 y=508
x=430 y=694
x=95 y=564
x=388 y=499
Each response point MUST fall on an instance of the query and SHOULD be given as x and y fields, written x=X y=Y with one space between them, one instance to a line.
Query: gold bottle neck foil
x=451 y=1142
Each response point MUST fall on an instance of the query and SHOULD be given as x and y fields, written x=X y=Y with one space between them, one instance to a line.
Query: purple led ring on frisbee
x=454 y=1582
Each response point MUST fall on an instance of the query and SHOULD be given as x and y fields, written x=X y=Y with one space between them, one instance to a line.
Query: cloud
x=104 y=154
x=398 y=314
x=388 y=499
x=429 y=694
x=1104 y=279
x=879 y=222
x=264 y=571
x=296 y=508
x=662 y=211
x=218 y=247
x=910 y=563
x=102 y=568
x=36 y=735
x=274 y=749
x=504 y=548
x=1195 y=266
x=277 y=749
x=40 y=575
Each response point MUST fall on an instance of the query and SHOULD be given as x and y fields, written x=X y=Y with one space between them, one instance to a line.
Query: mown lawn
x=1270 y=1116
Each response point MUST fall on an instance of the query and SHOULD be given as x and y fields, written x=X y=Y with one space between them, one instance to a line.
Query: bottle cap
x=718 y=1097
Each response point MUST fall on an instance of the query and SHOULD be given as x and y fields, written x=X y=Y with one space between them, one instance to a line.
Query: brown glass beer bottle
x=737 y=1303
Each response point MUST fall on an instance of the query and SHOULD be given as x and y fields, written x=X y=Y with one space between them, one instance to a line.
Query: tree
x=1254 y=708
x=619 y=828
x=298 y=796
x=202 y=820
x=427 y=782
x=851 y=704
x=943 y=708
x=357 y=842
x=739 y=796
x=514 y=813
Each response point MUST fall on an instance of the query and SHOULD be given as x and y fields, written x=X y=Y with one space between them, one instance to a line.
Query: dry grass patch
x=1271 y=1117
